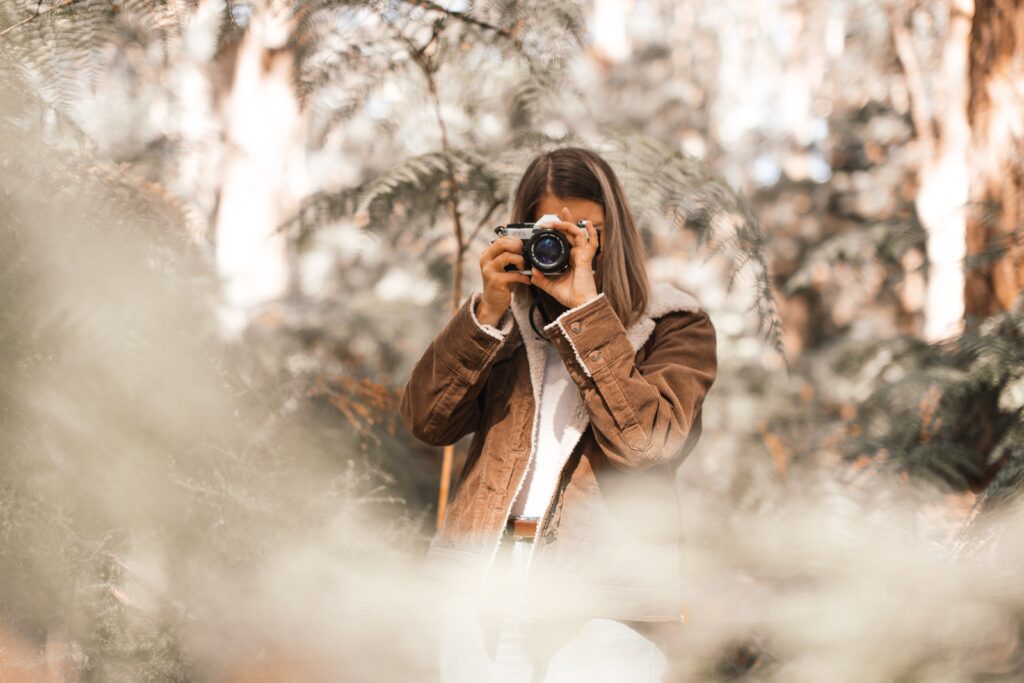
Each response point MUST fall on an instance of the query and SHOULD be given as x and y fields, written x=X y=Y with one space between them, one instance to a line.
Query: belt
x=522 y=528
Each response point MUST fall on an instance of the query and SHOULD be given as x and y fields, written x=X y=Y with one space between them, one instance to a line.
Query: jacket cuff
x=467 y=347
x=505 y=323
x=594 y=333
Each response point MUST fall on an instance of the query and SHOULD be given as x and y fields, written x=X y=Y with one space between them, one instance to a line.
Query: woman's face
x=584 y=209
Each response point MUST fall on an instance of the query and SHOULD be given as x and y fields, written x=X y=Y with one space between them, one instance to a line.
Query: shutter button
x=576 y=326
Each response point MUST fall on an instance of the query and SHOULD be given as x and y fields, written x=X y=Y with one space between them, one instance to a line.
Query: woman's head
x=583 y=181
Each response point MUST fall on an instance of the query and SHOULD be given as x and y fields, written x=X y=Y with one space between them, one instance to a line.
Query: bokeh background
x=229 y=230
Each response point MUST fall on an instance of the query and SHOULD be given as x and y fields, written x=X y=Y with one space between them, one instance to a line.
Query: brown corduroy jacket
x=609 y=543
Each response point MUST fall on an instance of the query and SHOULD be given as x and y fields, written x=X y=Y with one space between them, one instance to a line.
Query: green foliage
x=345 y=52
x=873 y=242
x=65 y=49
x=953 y=411
x=148 y=467
x=474 y=178
x=666 y=181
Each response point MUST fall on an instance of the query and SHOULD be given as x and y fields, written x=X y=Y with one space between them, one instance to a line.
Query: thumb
x=540 y=279
x=565 y=214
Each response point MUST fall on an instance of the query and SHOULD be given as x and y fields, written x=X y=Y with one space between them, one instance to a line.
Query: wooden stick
x=60 y=5
x=446 y=475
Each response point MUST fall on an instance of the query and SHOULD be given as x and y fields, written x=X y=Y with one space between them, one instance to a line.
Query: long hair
x=622 y=264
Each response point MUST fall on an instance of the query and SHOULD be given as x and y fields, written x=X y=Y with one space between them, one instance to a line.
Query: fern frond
x=665 y=181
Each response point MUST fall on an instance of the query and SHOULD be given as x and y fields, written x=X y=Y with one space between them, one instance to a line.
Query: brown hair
x=580 y=173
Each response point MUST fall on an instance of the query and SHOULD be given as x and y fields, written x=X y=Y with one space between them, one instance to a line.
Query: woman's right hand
x=497 y=294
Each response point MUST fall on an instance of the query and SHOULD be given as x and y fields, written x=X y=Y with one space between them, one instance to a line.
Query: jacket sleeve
x=438 y=403
x=640 y=415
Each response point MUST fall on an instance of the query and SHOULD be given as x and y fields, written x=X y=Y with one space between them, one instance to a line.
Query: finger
x=498 y=263
x=511 y=277
x=592 y=232
x=547 y=281
x=583 y=255
x=572 y=231
x=541 y=280
x=500 y=245
x=586 y=240
x=588 y=229
x=511 y=244
x=567 y=217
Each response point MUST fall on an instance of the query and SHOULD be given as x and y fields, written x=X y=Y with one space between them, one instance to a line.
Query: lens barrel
x=548 y=250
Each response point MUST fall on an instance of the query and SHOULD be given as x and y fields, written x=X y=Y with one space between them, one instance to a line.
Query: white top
x=557 y=398
x=559 y=395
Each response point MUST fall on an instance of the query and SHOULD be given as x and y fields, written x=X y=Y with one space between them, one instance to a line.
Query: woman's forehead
x=581 y=208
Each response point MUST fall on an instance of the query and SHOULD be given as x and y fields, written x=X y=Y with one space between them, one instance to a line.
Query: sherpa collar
x=665 y=298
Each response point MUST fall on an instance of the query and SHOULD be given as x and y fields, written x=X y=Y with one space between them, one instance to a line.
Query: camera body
x=544 y=248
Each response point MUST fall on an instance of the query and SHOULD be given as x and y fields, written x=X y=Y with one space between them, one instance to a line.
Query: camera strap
x=534 y=306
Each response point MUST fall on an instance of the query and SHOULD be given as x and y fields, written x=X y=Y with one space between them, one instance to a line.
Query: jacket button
x=576 y=326
x=595 y=355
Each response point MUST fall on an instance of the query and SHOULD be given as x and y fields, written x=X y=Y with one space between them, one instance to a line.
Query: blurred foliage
x=420 y=119
x=146 y=463
x=949 y=411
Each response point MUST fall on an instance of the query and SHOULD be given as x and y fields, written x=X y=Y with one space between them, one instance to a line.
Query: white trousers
x=526 y=650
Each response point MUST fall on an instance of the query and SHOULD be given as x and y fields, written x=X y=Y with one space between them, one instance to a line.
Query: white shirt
x=557 y=398
x=559 y=394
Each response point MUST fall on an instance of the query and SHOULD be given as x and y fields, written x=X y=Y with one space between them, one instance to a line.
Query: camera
x=544 y=248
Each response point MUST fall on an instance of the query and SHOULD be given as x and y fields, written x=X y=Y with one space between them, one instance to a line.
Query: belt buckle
x=522 y=528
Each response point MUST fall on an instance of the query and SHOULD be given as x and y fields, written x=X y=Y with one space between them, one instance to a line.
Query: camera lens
x=548 y=251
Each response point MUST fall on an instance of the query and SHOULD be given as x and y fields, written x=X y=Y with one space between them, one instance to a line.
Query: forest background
x=229 y=230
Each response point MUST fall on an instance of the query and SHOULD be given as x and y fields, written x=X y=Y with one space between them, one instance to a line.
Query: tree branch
x=465 y=18
x=61 y=5
x=907 y=56
x=483 y=221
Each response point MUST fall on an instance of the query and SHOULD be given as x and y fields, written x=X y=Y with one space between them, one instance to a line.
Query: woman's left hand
x=576 y=285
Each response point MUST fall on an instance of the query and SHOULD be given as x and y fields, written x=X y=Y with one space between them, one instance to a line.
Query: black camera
x=544 y=248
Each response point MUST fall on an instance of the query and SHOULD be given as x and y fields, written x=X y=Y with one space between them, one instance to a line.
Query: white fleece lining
x=538 y=388
x=575 y=351
x=490 y=329
x=665 y=298
x=564 y=313
x=561 y=325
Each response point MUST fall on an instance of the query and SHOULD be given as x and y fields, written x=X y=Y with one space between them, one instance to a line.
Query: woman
x=567 y=499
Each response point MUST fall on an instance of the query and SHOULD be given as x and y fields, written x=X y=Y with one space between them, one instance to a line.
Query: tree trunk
x=944 y=140
x=943 y=196
x=995 y=272
x=263 y=176
x=610 y=30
